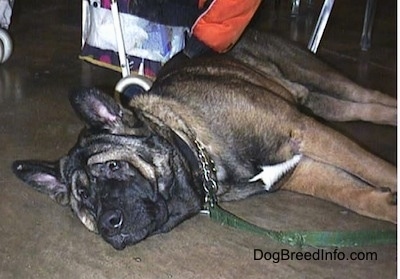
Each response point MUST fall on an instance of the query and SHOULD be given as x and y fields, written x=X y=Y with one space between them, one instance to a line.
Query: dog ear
x=44 y=177
x=97 y=109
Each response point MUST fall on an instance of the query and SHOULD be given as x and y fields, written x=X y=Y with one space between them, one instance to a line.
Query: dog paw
x=393 y=198
x=385 y=189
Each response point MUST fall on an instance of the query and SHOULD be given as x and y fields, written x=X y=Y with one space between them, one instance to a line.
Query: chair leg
x=320 y=26
x=295 y=7
x=368 y=22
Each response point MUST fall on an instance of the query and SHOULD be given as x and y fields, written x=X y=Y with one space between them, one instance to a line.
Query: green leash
x=294 y=238
x=307 y=238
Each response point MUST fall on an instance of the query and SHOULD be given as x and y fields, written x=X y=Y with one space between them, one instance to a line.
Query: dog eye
x=83 y=193
x=114 y=165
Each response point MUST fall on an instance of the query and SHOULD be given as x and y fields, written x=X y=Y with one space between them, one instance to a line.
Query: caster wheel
x=128 y=87
x=5 y=46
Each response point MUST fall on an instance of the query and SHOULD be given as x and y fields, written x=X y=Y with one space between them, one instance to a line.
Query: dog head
x=121 y=179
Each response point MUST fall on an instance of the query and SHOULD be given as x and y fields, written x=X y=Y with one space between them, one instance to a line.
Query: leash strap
x=307 y=238
x=293 y=238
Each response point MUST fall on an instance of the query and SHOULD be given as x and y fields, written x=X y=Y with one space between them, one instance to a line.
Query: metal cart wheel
x=6 y=46
x=130 y=86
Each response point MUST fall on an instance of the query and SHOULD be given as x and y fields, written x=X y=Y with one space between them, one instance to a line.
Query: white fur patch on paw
x=271 y=174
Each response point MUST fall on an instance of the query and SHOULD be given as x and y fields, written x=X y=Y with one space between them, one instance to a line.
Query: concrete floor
x=39 y=239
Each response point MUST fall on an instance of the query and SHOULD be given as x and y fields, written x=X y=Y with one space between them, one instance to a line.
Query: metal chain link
x=210 y=184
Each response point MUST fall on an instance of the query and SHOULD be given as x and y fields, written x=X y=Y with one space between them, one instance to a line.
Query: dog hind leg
x=334 y=109
x=278 y=57
x=326 y=93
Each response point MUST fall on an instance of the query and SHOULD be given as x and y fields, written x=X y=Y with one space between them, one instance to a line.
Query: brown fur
x=253 y=106
x=135 y=171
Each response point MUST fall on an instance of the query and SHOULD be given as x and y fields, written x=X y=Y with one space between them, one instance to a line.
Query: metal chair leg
x=320 y=26
x=368 y=22
x=295 y=7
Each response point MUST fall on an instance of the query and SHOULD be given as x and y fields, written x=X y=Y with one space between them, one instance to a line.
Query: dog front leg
x=336 y=185
x=325 y=145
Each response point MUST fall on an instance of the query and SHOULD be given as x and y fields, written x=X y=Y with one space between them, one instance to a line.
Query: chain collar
x=207 y=171
x=210 y=184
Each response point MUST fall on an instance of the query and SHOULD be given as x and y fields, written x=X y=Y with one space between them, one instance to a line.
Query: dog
x=140 y=170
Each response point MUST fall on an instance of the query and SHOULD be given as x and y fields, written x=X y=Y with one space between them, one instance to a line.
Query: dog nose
x=110 y=223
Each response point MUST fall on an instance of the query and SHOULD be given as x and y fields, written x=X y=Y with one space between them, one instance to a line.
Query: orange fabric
x=223 y=22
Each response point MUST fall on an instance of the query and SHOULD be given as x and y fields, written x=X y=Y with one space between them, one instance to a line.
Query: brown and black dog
x=135 y=171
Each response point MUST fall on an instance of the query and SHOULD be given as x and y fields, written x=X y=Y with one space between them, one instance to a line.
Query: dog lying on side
x=135 y=171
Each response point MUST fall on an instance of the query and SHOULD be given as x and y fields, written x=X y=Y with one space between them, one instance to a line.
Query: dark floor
x=42 y=240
